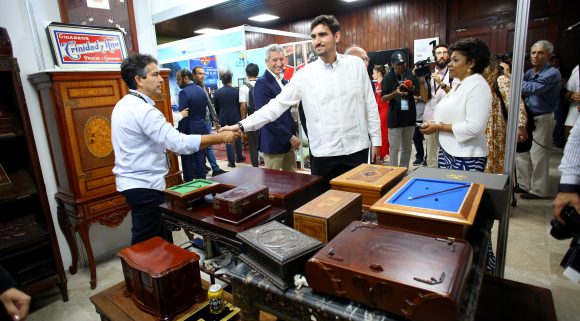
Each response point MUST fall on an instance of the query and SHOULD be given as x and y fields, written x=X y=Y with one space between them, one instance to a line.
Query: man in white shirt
x=140 y=135
x=339 y=104
x=432 y=91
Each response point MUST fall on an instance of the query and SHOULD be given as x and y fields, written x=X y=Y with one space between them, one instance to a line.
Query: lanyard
x=138 y=96
x=442 y=78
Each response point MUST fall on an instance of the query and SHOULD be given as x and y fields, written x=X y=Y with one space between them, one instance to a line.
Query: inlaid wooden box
x=241 y=203
x=371 y=181
x=325 y=216
x=162 y=278
x=182 y=194
x=431 y=206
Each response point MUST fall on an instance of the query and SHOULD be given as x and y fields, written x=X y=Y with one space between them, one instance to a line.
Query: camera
x=422 y=68
x=572 y=227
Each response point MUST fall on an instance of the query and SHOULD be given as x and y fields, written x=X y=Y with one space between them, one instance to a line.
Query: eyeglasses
x=441 y=53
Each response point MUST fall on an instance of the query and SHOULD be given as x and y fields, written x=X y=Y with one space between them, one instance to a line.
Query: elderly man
x=340 y=120
x=541 y=92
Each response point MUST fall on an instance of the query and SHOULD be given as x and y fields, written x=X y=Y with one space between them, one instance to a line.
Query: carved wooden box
x=417 y=276
x=372 y=181
x=325 y=216
x=241 y=203
x=162 y=278
x=278 y=252
x=430 y=206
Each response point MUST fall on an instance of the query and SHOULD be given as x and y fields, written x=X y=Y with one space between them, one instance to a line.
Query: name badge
x=404 y=104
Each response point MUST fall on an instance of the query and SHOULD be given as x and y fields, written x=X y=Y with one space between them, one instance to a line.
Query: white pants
x=432 y=150
x=400 y=137
x=533 y=167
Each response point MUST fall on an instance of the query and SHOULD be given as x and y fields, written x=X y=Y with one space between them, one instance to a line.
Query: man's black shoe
x=518 y=189
x=231 y=164
x=418 y=162
x=218 y=172
x=530 y=196
x=242 y=159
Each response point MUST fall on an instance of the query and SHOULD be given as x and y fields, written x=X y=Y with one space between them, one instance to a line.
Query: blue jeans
x=210 y=154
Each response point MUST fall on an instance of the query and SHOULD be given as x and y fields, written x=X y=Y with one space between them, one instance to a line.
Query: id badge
x=404 y=104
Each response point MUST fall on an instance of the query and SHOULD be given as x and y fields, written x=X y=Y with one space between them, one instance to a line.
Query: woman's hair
x=490 y=73
x=473 y=49
x=381 y=69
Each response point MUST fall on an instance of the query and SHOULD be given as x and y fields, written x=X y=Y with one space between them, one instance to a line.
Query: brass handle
x=376 y=267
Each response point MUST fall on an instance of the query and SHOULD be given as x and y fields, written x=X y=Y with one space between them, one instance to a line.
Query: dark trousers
x=230 y=150
x=146 y=214
x=193 y=165
x=333 y=166
x=253 y=147
x=418 y=142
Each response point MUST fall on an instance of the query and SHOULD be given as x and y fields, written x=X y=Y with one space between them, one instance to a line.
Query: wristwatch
x=241 y=126
x=443 y=85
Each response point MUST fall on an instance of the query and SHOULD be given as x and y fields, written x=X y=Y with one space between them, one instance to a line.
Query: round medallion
x=98 y=136
x=277 y=238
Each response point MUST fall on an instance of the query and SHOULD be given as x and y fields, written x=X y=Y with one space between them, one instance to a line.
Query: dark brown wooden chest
x=325 y=216
x=417 y=276
x=162 y=278
x=241 y=203
x=277 y=251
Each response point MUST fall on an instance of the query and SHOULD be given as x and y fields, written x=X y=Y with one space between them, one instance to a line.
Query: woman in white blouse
x=461 y=116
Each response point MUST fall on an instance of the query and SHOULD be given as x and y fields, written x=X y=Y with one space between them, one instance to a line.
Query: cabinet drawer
x=105 y=206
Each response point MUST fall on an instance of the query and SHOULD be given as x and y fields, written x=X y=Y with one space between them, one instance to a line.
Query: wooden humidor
x=162 y=278
x=325 y=216
x=371 y=181
x=241 y=203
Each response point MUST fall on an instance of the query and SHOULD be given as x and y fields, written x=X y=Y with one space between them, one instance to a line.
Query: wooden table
x=113 y=304
x=287 y=190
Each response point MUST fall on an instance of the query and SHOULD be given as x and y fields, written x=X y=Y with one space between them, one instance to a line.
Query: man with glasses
x=433 y=89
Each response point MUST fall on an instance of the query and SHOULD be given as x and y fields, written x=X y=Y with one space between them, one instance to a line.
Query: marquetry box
x=372 y=181
x=162 y=278
x=241 y=203
x=417 y=276
x=431 y=206
x=325 y=216
x=181 y=195
x=278 y=252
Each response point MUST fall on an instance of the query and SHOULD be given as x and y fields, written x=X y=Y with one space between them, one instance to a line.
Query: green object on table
x=191 y=186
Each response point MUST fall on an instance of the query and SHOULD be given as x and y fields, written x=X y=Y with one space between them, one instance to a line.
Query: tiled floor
x=533 y=257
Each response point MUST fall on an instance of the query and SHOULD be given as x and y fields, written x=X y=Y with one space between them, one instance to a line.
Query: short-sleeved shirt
x=397 y=116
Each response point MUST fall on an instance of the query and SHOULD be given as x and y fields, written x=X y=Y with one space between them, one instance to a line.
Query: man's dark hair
x=252 y=70
x=226 y=77
x=194 y=69
x=439 y=46
x=327 y=20
x=135 y=65
x=473 y=49
x=185 y=73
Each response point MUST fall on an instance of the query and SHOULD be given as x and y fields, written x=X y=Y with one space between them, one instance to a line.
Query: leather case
x=325 y=216
x=417 y=276
x=372 y=181
x=162 y=278
x=241 y=203
x=277 y=251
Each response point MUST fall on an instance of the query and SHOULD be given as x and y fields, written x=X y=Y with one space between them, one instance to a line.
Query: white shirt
x=339 y=104
x=573 y=84
x=277 y=77
x=466 y=107
x=437 y=95
x=140 y=135
x=244 y=95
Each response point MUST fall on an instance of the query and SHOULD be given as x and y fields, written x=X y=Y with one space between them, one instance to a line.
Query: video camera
x=422 y=68
x=571 y=229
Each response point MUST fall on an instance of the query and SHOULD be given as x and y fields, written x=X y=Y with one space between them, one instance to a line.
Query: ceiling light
x=264 y=17
x=349 y=0
x=206 y=30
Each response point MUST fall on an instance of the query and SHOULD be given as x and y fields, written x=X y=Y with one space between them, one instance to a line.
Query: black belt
x=540 y=114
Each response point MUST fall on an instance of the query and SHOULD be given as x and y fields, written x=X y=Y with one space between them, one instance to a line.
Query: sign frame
x=86 y=47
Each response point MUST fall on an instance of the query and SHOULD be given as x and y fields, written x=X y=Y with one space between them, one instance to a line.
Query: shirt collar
x=279 y=78
x=147 y=98
x=333 y=65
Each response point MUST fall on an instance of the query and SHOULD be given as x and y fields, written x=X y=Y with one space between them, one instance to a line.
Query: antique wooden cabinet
x=28 y=246
x=77 y=107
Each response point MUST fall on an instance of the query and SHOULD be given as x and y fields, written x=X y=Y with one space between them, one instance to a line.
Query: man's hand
x=216 y=125
x=16 y=303
x=230 y=128
x=375 y=150
x=522 y=134
x=184 y=113
x=435 y=76
x=575 y=97
x=429 y=128
x=565 y=199
x=295 y=141
x=228 y=137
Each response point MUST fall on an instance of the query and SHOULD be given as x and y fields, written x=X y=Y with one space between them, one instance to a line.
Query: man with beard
x=339 y=104
x=433 y=89
x=193 y=98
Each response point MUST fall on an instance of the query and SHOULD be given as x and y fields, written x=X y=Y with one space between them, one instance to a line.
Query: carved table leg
x=244 y=299
x=68 y=231
x=83 y=229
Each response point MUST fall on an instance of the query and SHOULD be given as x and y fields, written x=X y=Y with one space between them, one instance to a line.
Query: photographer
x=570 y=168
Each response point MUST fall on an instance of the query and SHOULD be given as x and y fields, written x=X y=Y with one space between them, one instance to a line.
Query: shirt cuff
x=376 y=141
